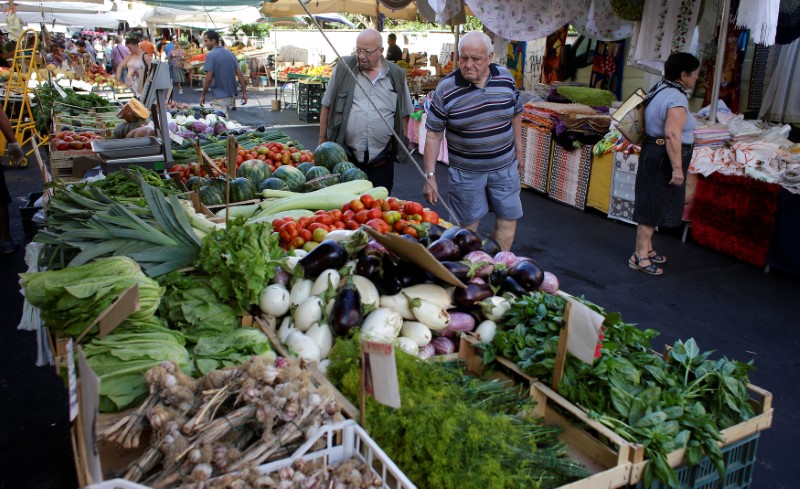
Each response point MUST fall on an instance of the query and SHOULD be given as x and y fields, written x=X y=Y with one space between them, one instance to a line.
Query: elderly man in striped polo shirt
x=479 y=106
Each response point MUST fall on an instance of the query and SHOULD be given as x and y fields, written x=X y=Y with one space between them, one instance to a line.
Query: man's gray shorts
x=472 y=195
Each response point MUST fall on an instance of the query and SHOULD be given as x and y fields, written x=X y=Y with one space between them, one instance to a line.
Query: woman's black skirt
x=657 y=202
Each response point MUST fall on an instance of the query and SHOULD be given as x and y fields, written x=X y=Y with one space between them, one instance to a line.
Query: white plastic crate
x=343 y=441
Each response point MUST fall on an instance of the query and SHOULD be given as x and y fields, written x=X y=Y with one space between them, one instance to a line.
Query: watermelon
x=321 y=182
x=353 y=174
x=210 y=195
x=305 y=166
x=242 y=189
x=316 y=172
x=219 y=184
x=272 y=184
x=254 y=170
x=342 y=167
x=293 y=177
x=195 y=182
x=328 y=154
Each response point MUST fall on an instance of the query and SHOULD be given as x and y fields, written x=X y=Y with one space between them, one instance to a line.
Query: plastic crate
x=740 y=459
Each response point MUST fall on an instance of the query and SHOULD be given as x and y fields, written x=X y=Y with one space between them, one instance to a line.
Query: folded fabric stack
x=571 y=124
x=711 y=136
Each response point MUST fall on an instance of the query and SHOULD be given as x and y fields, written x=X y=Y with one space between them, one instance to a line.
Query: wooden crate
x=760 y=399
x=504 y=369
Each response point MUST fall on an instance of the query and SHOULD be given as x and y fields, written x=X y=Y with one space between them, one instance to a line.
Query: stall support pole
x=721 y=43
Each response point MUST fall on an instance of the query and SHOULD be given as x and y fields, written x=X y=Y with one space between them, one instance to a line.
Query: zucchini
x=312 y=201
x=245 y=210
x=295 y=214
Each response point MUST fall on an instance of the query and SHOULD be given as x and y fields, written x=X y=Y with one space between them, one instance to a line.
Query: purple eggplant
x=443 y=345
x=281 y=277
x=411 y=275
x=498 y=275
x=450 y=232
x=328 y=254
x=461 y=321
x=434 y=232
x=346 y=312
x=467 y=241
x=528 y=273
x=471 y=295
x=444 y=249
x=490 y=246
x=375 y=248
x=388 y=281
x=368 y=265
x=460 y=270
x=408 y=237
x=511 y=285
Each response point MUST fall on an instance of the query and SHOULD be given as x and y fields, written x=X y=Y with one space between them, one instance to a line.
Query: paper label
x=381 y=372
x=73 y=381
x=585 y=327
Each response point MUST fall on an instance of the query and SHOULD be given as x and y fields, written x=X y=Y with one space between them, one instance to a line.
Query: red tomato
x=430 y=216
x=399 y=225
x=379 y=225
x=339 y=225
x=362 y=216
x=394 y=204
x=348 y=215
x=297 y=242
x=411 y=207
x=317 y=225
x=353 y=225
x=375 y=213
x=367 y=200
x=336 y=215
x=356 y=205
x=305 y=234
x=304 y=222
x=411 y=231
x=323 y=219
x=289 y=232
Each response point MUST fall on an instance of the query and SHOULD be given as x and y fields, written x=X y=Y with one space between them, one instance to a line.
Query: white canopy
x=286 y=8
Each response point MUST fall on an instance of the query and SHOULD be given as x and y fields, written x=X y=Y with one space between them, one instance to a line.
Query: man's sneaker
x=7 y=247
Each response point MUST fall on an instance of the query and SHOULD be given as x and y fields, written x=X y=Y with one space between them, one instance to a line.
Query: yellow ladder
x=17 y=90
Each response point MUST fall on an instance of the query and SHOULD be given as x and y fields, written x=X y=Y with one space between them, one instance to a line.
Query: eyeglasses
x=359 y=51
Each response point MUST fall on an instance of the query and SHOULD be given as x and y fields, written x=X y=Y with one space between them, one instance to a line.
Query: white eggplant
x=382 y=324
x=495 y=307
x=429 y=313
x=349 y=268
x=399 y=303
x=299 y=252
x=275 y=300
x=407 y=345
x=301 y=290
x=287 y=326
x=431 y=293
x=328 y=278
x=308 y=313
x=370 y=298
x=303 y=346
x=417 y=331
x=485 y=331
x=291 y=263
x=322 y=366
x=322 y=336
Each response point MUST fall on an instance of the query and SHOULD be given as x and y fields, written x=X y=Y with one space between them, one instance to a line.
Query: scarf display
x=601 y=22
x=757 y=77
x=609 y=59
x=551 y=63
x=761 y=18
x=666 y=27
x=524 y=20
x=782 y=102
x=731 y=76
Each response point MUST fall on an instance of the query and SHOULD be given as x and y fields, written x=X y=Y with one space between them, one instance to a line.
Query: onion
x=443 y=345
x=550 y=283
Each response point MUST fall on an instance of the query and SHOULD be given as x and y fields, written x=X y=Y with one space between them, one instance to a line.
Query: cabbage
x=190 y=119
x=211 y=119
x=180 y=119
x=197 y=127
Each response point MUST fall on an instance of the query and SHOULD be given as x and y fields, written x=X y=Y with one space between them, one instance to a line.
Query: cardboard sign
x=414 y=253
x=380 y=369
x=115 y=313
x=73 y=381
x=585 y=327
x=89 y=406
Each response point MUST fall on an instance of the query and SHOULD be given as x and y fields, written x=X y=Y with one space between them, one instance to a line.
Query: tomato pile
x=69 y=140
x=390 y=215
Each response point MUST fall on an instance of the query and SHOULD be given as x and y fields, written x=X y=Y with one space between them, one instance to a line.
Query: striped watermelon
x=293 y=177
x=342 y=167
x=316 y=172
x=328 y=154
x=272 y=183
x=353 y=174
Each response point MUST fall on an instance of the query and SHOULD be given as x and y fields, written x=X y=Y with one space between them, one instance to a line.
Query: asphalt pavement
x=728 y=306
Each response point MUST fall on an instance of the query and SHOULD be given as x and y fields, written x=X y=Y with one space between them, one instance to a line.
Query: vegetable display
x=683 y=400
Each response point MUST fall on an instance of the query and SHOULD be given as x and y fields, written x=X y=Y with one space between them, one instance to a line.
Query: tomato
x=339 y=225
x=430 y=216
x=356 y=205
x=176 y=168
x=367 y=200
x=297 y=242
x=303 y=158
x=381 y=204
x=411 y=231
x=293 y=149
x=399 y=225
x=394 y=204
x=306 y=234
x=317 y=225
x=239 y=159
x=379 y=225
x=362 y=216
x=319 y=235
x=415 y=217
x=375 y=213
x=392 y=217
x=304 y=222
x=411 y=207
x=289 y=231
x=353 y=225
x=348 y=215
x=336 y=215
x=323 y=219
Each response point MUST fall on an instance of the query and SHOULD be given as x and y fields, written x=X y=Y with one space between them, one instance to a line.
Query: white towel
x=761 y=17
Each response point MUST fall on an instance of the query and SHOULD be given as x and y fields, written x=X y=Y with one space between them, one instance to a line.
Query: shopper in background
x=349 y=119
x=147 y=46
x=118 y=54
x=393 y=52
x=177 y=58
x=479 y=106
x=14 y=151
x=56 y=56
x=666 y=153
x=136 y=63
x=222 y=70
x=83 y=56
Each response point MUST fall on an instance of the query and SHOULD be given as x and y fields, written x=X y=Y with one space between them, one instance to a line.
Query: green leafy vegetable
x=229 y=349
x=240 y=260
x=121 y=359
x=191 y=305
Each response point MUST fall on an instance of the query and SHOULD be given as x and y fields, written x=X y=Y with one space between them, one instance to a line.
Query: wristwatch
x=429 y=174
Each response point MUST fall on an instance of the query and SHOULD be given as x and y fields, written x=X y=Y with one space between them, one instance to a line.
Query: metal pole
x=721 y=43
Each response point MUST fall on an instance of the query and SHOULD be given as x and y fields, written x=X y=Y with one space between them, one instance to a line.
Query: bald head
x=369 y=49
x=370 y=36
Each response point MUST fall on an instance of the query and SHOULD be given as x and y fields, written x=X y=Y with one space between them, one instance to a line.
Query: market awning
x=70 y=19
x=285 y=8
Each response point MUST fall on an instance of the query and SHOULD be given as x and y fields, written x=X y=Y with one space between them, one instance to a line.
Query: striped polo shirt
x=480 y=137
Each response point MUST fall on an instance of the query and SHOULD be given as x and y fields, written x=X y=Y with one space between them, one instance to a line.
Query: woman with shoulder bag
x=664 y=160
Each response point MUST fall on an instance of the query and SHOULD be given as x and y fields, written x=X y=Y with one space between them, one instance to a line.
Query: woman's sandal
x=635 y=264
x=656 y=258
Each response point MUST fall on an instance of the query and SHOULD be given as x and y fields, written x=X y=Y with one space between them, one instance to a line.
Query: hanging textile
x=781 y=102
x=524 y=20
x=756 y=91
x=666 y=27
x=425 y=11
x=515 y=61
x=551 y=64
x=761 y=17
x=731 y=76
x=448 y=11
x=788 y=22
x=607 y=68
x=534 y=55
x=600 y=22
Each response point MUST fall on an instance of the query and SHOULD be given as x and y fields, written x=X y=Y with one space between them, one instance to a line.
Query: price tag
x=175 y=138
x=380 y=369
x=73 y=381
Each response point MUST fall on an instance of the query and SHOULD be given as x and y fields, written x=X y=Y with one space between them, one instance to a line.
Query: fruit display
x=310 y=71
x=74 y=141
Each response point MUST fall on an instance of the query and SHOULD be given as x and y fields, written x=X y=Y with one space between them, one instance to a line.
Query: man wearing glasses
x=362 y=114
x=479 y=106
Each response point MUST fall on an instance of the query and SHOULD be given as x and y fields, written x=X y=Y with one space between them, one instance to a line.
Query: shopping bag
x=629 y=117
